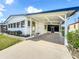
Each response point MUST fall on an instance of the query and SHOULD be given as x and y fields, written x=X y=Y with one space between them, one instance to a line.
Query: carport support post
x=60 y=30
x=65 y=41
x=30 y=26
x=65 y=19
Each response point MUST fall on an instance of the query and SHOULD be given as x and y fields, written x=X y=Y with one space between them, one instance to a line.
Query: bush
x=18 y=33
x=73 y=38
x=25 y=35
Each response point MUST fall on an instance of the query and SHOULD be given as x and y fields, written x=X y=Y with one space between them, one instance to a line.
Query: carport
x=52 y=19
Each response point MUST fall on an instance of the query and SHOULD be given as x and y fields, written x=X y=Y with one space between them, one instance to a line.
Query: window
x=11 y=25
x=28 y=23
x=14 y=25
x=8 y=25
x=18 y=24
x=22 y=23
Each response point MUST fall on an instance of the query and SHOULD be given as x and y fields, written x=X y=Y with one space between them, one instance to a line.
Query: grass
x=5 y=41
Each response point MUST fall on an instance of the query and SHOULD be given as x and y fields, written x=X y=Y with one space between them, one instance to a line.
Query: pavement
x=50 y=37
x=36 y=49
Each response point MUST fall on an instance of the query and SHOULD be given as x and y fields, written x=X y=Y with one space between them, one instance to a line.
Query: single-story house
x=73 y=26
x=3 y=27
x=36 y=23
x=41 y=22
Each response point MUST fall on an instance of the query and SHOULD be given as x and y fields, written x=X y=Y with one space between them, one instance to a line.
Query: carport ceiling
x=51 y=16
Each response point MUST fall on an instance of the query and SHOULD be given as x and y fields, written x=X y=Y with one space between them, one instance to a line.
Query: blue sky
x=10 y=7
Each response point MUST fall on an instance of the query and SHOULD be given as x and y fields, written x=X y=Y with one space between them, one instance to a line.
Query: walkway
x=37 y=49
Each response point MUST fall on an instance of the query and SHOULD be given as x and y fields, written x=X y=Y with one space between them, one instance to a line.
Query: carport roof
x=51 y=14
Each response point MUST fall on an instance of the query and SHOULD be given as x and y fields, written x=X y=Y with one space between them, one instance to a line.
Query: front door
x=33 y=27
x=52 y=29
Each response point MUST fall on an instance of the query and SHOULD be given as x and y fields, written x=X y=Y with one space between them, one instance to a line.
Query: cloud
x=2 y=20
x=1 y=10
x=9 y=2
x=2 y=7
x=31 y=9
x=1 y=14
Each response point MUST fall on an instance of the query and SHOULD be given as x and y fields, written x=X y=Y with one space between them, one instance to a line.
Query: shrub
x=73 y=38
x=18 y=33
x=25 y=35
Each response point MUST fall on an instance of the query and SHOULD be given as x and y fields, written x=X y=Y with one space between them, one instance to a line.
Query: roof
x=75 y=9
x=74 y=23
x=2 y=24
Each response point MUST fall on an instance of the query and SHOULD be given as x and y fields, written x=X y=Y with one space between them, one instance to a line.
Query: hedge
x=73 y=38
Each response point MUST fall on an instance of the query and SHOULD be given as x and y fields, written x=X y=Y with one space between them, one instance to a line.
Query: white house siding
x=16 y=19
x=40 y=28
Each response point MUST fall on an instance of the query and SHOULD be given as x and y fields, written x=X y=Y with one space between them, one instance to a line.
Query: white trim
x=62 y=18
x=30 y=26
x=65 y=41
x=65 y=19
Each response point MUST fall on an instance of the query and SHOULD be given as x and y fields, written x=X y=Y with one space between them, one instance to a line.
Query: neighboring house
x=73 y=26
x=3 y=28
x=0 y=27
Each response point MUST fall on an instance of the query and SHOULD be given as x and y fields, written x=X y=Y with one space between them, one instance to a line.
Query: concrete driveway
x=35 y=50
x=40 y=49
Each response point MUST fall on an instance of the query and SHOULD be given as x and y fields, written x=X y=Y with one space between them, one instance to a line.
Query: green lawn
x=7 y=41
